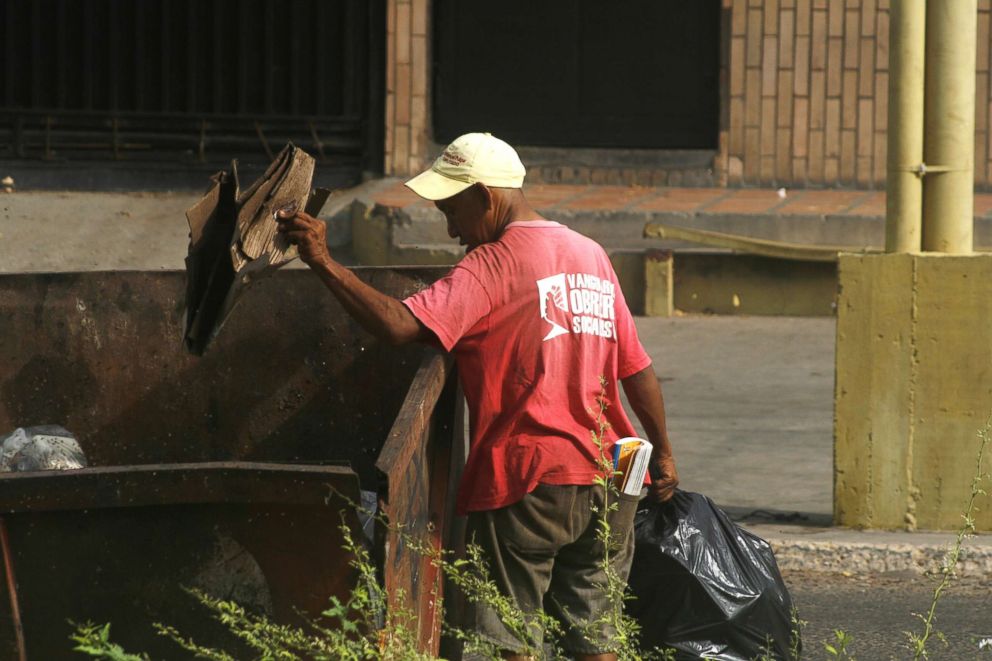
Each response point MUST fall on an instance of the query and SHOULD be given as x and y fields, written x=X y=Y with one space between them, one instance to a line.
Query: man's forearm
x=644 y=394
x=381 y=315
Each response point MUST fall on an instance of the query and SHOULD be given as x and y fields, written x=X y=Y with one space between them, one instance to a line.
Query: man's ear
x=487 y=195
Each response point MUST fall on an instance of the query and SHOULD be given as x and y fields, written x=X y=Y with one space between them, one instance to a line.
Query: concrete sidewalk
x=615 y=215
x=83 y=231
x=50 y=230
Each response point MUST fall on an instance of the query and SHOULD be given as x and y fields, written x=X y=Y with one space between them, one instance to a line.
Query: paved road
x=878 y=609
x=750 y=408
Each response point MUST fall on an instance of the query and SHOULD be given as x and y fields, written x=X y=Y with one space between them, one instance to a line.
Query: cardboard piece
x=234 y=239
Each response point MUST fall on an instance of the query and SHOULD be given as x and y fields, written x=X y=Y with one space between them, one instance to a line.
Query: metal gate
x=191 y=81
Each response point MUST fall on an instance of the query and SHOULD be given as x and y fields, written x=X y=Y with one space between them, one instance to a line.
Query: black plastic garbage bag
x=706 y=587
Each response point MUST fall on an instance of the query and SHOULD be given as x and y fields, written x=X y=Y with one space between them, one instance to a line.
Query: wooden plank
x=415 y=414
x=416 y=462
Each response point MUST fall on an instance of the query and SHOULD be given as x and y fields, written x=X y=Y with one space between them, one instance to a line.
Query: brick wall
x=804 y=99
x=808 y=93
x=407 y=86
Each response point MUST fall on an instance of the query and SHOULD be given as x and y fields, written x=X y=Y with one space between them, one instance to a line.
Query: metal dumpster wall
x=290 y=378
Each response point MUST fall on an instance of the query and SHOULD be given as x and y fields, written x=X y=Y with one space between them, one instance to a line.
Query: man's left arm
x=644 y=394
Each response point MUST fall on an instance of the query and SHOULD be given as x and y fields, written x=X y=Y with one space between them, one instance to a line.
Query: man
x=540 y=332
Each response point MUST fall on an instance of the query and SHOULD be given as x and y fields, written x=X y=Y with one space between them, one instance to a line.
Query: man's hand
x=308 y=234
x=663 y=487
x=644 y=394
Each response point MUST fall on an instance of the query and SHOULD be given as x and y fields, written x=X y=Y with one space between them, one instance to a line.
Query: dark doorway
x=192 y=83
x=579 y=73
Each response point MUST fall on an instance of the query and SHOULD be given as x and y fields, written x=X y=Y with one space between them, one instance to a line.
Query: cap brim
x=433 y=186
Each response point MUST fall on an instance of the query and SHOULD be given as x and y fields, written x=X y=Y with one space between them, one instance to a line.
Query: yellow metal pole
x=949 y=141
x=904 y=189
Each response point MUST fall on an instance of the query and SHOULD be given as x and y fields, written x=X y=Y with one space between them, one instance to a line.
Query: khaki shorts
x=543 y=551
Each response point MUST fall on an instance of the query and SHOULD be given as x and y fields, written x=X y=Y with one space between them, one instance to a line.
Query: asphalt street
x=878 y=610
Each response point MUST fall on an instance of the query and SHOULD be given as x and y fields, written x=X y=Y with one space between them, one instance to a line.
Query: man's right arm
x=644 y=394
x=381 y=315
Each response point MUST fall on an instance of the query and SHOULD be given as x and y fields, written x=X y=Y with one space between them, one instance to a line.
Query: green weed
x=350 y=631
x=918 y=641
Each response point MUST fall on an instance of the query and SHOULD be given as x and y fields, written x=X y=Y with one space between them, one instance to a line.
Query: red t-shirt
x=534 y=320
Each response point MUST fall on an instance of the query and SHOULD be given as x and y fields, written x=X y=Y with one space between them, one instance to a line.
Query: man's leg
x=519 y=544
x=577 y=594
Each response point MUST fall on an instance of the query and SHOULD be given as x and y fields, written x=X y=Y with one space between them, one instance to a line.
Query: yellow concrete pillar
x=904 y=189
x=949 y=141
x=913 y=386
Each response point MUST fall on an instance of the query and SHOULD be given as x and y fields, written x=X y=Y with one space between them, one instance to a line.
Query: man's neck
x=518 y=211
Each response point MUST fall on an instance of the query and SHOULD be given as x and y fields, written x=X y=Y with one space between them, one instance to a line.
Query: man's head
x=475 y=180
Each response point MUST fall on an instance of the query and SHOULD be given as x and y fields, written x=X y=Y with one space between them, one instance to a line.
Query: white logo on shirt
x=578 y=303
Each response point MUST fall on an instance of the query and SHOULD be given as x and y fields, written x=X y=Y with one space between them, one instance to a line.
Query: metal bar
x=188 y=138
x=269 y=47
x=48 y=138
x=113 y=60
x=173 y=484
x=244 y=45
x=295 y=62
x=949 y=129
x=188 y=135
x=374 y=128
x=15 y=608
x=193 y=45
x=139 y=52
x=37 y=78
x=218 y=49
x=165 y=53
x=345 y=121
x=89 y=37
x=762 y=247
x=350 y=56
x=904 y=190
x=320 y=71
x=19 y=137
x=62 y=58
x=201 y=150
x=9 y=22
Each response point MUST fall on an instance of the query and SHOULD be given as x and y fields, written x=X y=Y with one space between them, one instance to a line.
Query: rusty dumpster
x=230 y=472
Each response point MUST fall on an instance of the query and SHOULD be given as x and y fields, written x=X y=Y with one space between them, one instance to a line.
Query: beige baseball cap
x=471 y=158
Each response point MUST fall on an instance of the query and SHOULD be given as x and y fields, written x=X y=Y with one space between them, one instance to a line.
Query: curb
x=845 y=551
